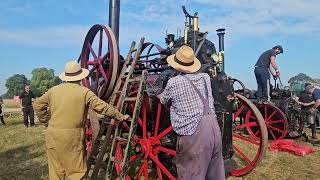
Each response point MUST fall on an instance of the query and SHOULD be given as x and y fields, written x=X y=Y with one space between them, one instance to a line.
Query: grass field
x=22 y=157
x=9 y=103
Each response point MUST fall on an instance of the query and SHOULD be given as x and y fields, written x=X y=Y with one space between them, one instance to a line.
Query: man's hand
x=312 y=110
x=124 y=117
x=278 y=73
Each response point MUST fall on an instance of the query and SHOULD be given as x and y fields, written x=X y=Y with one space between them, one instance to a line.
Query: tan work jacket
x=65 y=108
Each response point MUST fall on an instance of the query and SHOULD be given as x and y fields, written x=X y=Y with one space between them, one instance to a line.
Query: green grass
x=9 y=103
x=22 y=157
x=22 y=152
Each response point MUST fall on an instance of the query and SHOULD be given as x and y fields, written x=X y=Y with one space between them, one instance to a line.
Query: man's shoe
x=314 y=137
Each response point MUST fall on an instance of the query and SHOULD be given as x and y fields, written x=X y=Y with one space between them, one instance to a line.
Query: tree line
x=42 y=79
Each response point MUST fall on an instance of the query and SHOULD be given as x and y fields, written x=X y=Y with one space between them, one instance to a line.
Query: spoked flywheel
x=275 y=119
x=100 y=55
x=248 y=151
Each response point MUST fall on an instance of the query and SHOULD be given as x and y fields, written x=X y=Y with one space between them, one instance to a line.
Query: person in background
x=26 y=99
x=193 y=118
x=1 y=112
x=65 y=108
x=261 y=71
x=306 y=101
x=315 y=92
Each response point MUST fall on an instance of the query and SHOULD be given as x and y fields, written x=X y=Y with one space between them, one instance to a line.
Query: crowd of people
x=199 y=148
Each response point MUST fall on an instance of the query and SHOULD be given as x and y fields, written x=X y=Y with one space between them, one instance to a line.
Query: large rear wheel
x=248 y=152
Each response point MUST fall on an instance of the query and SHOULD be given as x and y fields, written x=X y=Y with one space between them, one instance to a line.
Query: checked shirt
x=186 y=106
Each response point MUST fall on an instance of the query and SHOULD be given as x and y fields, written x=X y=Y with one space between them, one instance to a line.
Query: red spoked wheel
x=151 y=147
x=100 y=55
x=248 y=152
x=150 y=55
x=275 y=119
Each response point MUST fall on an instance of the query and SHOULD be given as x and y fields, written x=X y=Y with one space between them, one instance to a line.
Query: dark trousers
x=2 y=120
x=28 y=114
x=263 y=81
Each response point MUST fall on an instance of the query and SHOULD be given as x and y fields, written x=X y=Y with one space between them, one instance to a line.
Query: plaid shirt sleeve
x=165 y=96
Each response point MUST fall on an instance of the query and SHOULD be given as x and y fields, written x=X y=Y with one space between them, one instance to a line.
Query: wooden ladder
x=101 y=161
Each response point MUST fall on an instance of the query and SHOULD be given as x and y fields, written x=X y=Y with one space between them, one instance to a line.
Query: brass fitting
x=195 y=24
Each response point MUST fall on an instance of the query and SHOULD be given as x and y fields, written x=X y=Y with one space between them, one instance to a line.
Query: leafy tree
x=42 y=80
x=15 y=85
x=301 y=78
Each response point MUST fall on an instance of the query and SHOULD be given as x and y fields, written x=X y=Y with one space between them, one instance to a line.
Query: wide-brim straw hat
x=73 y=72
x=184 y=60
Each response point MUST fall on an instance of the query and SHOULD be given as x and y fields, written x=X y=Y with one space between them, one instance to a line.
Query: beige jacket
x=68 y=104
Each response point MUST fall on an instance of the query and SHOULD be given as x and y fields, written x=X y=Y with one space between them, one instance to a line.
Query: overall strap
x=205 y=101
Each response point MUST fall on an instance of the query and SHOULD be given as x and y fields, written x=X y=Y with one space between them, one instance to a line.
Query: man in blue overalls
x=261 y=71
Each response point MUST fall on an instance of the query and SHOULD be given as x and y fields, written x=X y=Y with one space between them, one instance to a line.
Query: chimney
x=114 y=17
x=220 y=33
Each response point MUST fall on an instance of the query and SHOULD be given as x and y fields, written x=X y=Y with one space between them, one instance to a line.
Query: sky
x=48 y=33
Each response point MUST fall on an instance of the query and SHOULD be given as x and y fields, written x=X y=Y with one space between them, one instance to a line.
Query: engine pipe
x=114 y=17
x=220 y=33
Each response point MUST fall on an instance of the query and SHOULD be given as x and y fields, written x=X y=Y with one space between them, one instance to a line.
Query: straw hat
x=73 y=72
x=184 y=60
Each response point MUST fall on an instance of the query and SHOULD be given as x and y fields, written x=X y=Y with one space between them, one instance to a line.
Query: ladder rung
x=121 y=139
x=136 y=79
x=130 y=99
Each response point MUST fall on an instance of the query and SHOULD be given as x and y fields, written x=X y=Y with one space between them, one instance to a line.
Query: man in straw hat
x=65 y=108
x=193 y=118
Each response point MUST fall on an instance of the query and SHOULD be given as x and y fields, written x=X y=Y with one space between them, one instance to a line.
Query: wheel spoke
x=166 y=150
x=160 y=165
x=140 y=171
x=100 y=43
x=256 y=133
x=146 y=173
x=265 y=111
x=244 y=139
x=246 y=125
x=157 y=119
x=97 y=81
x=165 y=132
x=273 y=136
x=238 y=112
x=271 y=115
x=252 y=117
x=242 y=155
x=91 y=62
x=144 y=121
x=276 y=121
x=159 y=173
x=92 y=51
x=276 y=129
x=103 y=73
x=126 y=125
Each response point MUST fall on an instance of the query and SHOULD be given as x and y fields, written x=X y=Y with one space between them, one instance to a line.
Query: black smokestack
x=221 y=33
x=114 y=17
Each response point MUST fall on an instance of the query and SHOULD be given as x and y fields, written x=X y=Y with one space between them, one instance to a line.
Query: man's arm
x=165 y=96
x=101 y=107
x=296 y=99
x=274 y=65
x=315 y=106
x=41 y=108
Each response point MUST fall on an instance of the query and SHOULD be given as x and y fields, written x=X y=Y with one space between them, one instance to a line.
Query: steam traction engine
x=144 y=146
